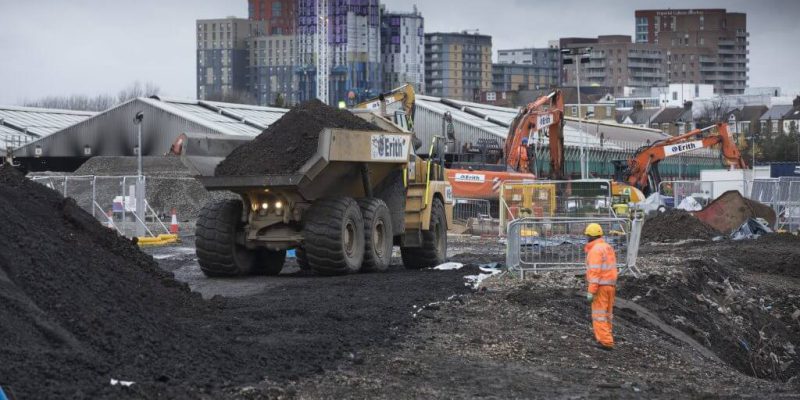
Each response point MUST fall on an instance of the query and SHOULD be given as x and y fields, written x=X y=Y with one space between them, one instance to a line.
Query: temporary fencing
x=98 y=194
x=465 y=209
x=557 y=243
x=475 y=216
x=545 y=198
x=783 y=195
x=701 y=191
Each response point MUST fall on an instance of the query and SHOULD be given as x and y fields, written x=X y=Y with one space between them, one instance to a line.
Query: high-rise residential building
x=222 y=56
x=528 y=68
x=280 y=15
x=403 y=49
x=513 y=77
x=271 y=75
x=705 y=46
x=353 y=48
x=616 y=62
x=458 y=65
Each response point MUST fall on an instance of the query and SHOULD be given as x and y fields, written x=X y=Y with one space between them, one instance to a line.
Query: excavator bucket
x=728 y=212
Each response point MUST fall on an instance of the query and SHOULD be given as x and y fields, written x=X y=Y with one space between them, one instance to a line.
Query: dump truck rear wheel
x=434 y=242
x=334 y=236
x=378 y=238
x=217 y=251
x=269 y=262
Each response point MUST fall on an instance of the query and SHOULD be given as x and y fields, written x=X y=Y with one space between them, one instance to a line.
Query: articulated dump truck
x=359 y=195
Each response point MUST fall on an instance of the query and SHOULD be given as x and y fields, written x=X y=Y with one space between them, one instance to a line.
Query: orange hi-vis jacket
x=601 y=265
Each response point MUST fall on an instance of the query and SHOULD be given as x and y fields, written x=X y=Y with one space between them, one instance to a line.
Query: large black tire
x=269 y=262
x=302 y=260
x=217 y=251
x=434 y=242
x=378 y=238
x=334 y=236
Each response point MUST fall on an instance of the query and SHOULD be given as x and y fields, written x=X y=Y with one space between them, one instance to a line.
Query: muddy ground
x=532 y=339
x=82 y=307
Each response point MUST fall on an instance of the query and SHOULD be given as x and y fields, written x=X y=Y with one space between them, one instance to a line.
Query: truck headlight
x=265 y=206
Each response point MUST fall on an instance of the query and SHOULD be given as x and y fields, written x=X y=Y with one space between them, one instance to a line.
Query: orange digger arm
x=547 y=111
x=641 y=165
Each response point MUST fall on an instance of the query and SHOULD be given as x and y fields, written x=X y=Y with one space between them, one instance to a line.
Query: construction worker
x=601 y=275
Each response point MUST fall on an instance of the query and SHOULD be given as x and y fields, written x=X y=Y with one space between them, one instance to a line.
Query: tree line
x=100 y=102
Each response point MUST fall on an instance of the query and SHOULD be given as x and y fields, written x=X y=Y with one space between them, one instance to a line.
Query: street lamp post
x=140 y=204
x=577 y=57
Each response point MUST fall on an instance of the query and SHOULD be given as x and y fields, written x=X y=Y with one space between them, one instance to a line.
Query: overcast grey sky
x=62 y=47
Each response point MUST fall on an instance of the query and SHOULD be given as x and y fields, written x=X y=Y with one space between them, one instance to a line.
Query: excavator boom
x=642 y=168
x=546 y=112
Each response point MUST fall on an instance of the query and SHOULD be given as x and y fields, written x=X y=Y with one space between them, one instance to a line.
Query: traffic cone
x=110 y=220
x=173 y=226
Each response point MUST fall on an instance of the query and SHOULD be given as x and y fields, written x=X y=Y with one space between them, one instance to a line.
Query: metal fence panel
x=557 y=244
x=543 y=198
x=107 y=198
x=464 y=209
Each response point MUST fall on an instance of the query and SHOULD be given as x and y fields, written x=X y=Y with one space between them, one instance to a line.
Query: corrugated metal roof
x=495 y=120
x=227 y=118
x=112 y=132
x=29 y=123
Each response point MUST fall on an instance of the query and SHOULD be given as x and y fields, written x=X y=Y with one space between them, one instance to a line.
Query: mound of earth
x=81 y=306
x=753 y=328
x=674 y=225
x=776 y=253
x=289 y=142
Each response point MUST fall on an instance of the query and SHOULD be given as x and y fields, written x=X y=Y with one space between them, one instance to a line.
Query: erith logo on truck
x=389 y=147
x=472 y=178
x=682 y=148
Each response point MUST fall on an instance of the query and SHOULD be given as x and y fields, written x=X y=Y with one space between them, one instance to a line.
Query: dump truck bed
x=341 y=154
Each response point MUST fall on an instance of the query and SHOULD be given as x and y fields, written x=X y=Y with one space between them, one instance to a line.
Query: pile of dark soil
x=80 y=306
x=777 y=254
x=288 y=143
x=752 y=328
x=675 y=225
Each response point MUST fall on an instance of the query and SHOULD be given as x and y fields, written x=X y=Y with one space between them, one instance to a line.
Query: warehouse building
x=22 y=125
x=113 y=133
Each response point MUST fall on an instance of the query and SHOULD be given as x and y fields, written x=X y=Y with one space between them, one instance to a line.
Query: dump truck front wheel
x=217 y=251
x=434 y=242
x=269 y=262
x=334 y=236
x=378 y=239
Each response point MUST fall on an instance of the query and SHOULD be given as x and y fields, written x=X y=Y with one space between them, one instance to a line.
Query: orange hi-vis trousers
x=602 y=314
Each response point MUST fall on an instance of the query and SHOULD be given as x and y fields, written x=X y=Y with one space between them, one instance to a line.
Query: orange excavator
x=641 y=170
x=728 y=211
x=545 y=115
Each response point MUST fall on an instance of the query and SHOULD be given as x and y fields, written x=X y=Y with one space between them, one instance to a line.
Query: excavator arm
x=642 y=168
x=545 y=112
x=404 y=94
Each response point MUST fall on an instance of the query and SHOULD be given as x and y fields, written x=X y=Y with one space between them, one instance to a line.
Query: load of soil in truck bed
x=675 y=225
x=289 y=142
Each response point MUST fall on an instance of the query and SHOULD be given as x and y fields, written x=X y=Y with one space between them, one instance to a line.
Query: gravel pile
x=288 y=143
x=675 y=225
